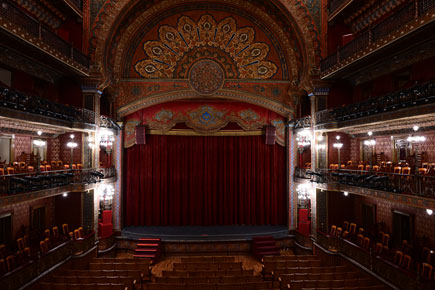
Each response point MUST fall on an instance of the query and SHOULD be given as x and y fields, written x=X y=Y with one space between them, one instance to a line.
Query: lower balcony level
x=409 y=189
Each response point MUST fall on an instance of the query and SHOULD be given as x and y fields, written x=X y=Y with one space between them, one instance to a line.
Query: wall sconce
x=39 y=144
x=429 y=211
x=106 y=138
x=338 y=145
x=371 y=144
x=71 y=145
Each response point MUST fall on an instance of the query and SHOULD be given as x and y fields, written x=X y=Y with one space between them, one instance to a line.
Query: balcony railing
x=35 y=181
x=37 y=30
x=109 y=123
x=40 y=106
x=417 y=95
x=381 y=264
x=77 y=3
x=304 y=122
x=377 y=32
x=108 y=172
x=335 y=4
x=411 y=184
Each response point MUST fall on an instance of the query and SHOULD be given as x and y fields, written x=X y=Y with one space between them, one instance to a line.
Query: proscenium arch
x=113 y=12
x=234 y=95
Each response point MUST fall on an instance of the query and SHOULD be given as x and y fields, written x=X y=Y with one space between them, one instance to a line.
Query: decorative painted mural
x=203 y=118
x=168 y=56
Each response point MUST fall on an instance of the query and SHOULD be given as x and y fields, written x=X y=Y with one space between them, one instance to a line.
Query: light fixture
x=39 y=132
x=415 y=128
x=39 y=143
x=71 y=145
x=71 y=136
x=370 y=133
x=337 y=137
x=337 y=145
x=65 y=194
x=106 y=138
x=416 y=139
x=302 y=191
x=429 y=211
x=370 y=142
x=91 y=142
x=320 y=138
x=391 y=137
x=346 y=193
x=106 y=192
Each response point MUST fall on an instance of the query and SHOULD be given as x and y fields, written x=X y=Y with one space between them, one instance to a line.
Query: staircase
x=264 y=246
x=148 y=248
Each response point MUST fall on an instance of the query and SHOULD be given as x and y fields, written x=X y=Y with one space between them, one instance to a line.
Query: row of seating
x=309 y=271
x=106 y=273
x=25 y=252
x=212 y=272
x=381 y=248
x=22 y=167
x=220 y=286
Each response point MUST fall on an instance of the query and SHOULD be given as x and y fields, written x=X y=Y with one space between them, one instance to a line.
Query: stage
x=204 y=233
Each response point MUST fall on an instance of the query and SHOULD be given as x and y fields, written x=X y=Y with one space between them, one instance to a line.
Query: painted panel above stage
x=204 y=118
x=136 y=94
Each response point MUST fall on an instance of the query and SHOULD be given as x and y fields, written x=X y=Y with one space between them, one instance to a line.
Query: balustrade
x=36 y=105
x=417 y=95
x=19 y=18
x=335 y=4
x=412 y=184
x=377 y=32
x=34 y=181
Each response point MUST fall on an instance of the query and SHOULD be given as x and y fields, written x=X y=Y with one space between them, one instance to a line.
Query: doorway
x=402 y=227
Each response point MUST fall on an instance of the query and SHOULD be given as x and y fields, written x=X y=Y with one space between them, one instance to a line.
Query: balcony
x=405 y=29
x=15 y=188
x=415 y=101
x=379 y=263
x=28 y=36
x=417 y=190
x=16 y=105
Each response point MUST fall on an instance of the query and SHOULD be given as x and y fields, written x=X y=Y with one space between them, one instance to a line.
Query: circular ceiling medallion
x=206 y=77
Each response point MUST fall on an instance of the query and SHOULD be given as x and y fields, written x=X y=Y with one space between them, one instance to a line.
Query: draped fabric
x=213 y=180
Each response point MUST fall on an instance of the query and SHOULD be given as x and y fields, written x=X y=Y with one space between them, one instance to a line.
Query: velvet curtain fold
x=185 y=180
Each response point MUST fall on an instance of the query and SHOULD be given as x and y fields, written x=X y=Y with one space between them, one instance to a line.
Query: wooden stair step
x=150 y=239
x=144 y=256
x=147 y=250
x=147 y=245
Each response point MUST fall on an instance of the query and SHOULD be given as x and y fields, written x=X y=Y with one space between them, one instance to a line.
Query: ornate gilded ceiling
x=144 y=51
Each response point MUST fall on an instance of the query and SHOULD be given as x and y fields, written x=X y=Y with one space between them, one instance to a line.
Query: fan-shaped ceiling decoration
x=166 y=56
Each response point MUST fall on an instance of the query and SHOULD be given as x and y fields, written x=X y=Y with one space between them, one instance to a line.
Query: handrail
x=412 y=184
x=13 y=99
x=34 y=181
x=335 y=4
x=377 y=32
x=37 y=30
x=414 y=96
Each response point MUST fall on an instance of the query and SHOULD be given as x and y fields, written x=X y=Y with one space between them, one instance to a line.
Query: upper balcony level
x=19 y=107
x=400 y=36
x=28 y=36
x=387 y=112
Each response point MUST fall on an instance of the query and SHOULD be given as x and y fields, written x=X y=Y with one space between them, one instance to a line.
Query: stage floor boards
x=204 y=233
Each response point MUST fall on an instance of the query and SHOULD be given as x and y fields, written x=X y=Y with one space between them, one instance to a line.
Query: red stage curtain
x=185 y=180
